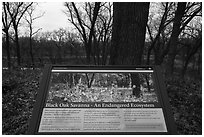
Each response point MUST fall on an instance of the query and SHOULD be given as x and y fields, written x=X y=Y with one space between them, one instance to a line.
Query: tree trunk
x=104 y=55
x=90 y=80
x=8 y=50
x=71 y=80
x=128 y=36
x=31 y=51
x=158 y=60
x=91 y=33
x=174 y=37
x=191 y=52
x=88 y=53
x=17 y=46
x=147 y=77
x=135 y=84
x=185 y=67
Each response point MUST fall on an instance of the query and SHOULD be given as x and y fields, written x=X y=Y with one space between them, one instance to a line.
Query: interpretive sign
x=102 y=100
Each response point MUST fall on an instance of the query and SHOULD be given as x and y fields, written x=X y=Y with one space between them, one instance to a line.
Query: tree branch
x=80 y=22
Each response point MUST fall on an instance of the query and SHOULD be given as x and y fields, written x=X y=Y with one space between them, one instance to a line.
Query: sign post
x=100 y=100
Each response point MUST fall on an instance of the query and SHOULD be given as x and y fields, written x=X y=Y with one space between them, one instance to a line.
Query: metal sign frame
x=43 y=91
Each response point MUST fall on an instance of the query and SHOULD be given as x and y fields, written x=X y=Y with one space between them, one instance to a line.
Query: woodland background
x=168 y=34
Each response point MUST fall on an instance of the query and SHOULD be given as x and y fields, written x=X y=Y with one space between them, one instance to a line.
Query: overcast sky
x=53 y=18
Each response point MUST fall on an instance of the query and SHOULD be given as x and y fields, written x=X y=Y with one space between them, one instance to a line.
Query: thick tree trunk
x=128 y=36
x=157 y=53
x=174 y=37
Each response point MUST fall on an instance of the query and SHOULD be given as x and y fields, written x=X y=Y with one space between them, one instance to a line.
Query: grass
x=186 y=102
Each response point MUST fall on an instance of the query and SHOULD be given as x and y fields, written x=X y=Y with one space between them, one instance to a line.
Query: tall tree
x=128 y=36
x=58 y=36
x=102 y=35
x=184 y=14
x=191 y=45
x=165 y=33
x=30 y=19
x=6 y=20
x=16 y=11
x=192 y=49
x=174 y=35
x=156 y=42
x=85 y=29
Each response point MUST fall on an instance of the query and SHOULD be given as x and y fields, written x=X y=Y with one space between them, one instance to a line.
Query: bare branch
x=80 y=22
x=36 y=31
x=18 y=20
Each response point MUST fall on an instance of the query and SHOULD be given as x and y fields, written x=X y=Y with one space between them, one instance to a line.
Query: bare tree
x=16 y=11
x=30 y=19
x=184 y=14
x=90 y=79
x=70 y=41
x=192 y=50
x=45 y=41
x=174 y=35
x=166 y=30
x=84 y=26
x=57 y=40
x=155 y=32
x=6 y=20
x=191 y=44
x=102 y=35
x=58 y=36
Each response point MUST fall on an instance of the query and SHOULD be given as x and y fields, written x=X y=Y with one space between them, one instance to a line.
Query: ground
x=19 y=89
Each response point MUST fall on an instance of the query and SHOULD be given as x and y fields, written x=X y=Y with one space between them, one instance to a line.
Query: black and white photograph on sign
x=101 y=87
x=102 y=101
x=46 y=45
